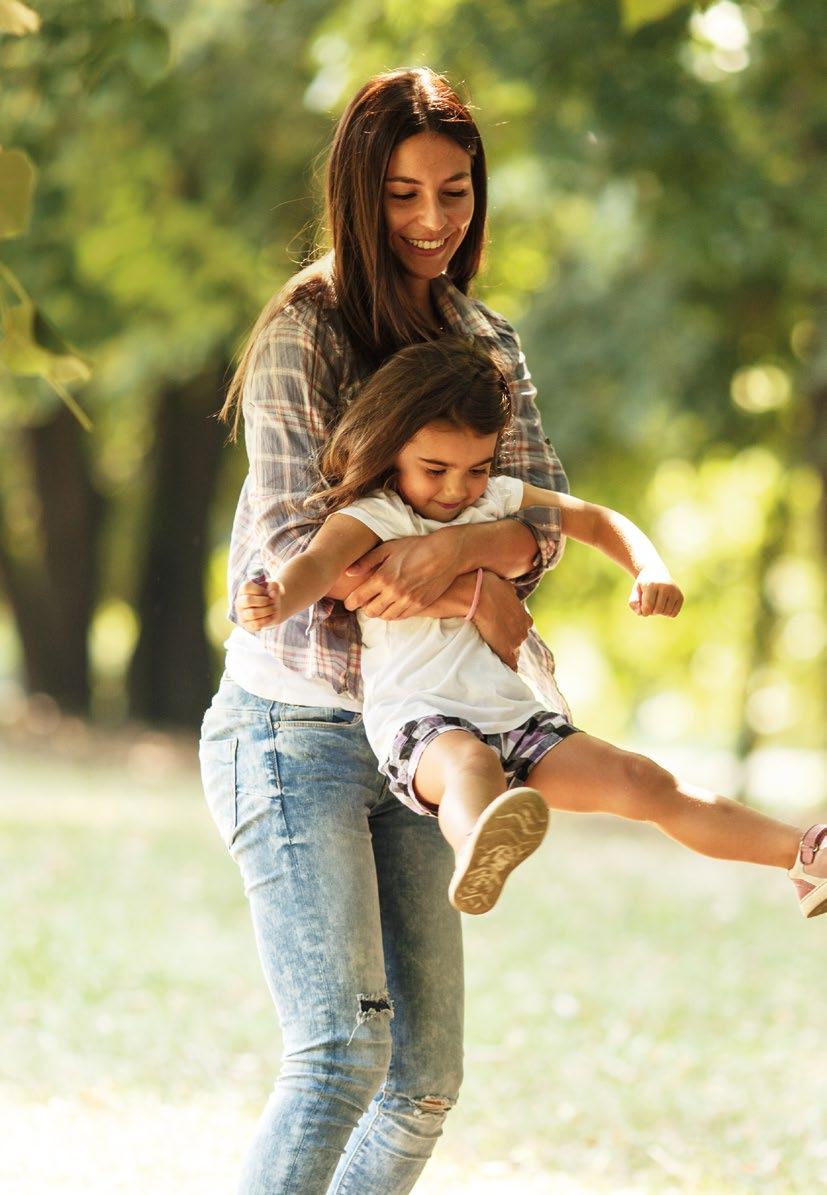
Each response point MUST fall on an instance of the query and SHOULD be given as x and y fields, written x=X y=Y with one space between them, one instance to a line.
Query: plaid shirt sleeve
x=530 y=457
x=289 y=399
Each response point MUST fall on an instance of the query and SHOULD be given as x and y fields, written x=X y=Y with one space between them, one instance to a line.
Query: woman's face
x=428 y=202
x=443 y=469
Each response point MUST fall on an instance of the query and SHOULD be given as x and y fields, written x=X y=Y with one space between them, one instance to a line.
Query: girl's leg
x=423 y=960
x=461 y=776
x=290 y=789
x=583 y=774
x=491 y=828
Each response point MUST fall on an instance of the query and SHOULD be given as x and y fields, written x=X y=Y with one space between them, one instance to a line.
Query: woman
x=361 y=952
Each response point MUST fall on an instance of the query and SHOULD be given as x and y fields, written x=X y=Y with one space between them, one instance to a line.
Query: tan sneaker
x=810 y=872
x=508 y=831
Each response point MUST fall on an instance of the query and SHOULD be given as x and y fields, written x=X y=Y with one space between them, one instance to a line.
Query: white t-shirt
x=413 y=667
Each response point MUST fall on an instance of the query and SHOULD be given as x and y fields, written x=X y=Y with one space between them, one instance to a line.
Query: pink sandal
x=810 y=872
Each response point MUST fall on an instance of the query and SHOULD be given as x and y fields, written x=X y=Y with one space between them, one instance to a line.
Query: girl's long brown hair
x=360 y=276
x=451 y=380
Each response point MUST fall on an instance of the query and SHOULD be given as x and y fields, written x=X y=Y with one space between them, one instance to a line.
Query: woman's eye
x=408 y=196
x=480 y=472
x=435 y=472
x=456 y=194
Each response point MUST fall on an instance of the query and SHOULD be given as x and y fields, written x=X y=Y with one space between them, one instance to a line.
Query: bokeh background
x=658 y=235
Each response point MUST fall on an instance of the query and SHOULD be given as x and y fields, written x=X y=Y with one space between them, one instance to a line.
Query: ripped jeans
x=360 y=949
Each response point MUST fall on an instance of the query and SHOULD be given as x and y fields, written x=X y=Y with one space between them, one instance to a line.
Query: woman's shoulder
x=503 y=330
x=478 y=319
x=305 y=307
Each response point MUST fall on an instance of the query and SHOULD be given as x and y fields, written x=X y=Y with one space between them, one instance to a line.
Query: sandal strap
x=811 y=842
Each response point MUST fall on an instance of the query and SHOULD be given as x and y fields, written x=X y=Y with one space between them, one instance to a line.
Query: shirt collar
x=460 y=313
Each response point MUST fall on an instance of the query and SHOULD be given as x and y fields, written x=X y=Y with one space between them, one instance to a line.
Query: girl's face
x=428 y=202
x=443 y=469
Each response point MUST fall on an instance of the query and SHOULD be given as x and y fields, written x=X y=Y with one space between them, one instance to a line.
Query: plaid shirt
x=302 y=377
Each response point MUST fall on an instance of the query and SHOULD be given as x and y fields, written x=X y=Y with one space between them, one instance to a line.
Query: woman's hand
x=654 y=592
x=501 y=618
x=258 y=604
x=404 y=576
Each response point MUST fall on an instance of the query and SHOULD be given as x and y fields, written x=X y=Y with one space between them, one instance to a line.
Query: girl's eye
x=435 y=472
x=409 y=196
x=480 y=472
x=456 y=194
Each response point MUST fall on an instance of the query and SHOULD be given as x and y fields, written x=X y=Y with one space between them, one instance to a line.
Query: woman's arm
x=288 y=402
x=621 y=540
x=404 y=577
x=530 y=456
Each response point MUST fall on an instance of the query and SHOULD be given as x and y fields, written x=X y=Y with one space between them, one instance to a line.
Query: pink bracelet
x=475 y=601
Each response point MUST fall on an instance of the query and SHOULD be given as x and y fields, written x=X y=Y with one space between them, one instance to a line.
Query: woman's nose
x=432 y=214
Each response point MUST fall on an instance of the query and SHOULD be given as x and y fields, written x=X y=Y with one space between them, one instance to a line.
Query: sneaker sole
x=510 y=829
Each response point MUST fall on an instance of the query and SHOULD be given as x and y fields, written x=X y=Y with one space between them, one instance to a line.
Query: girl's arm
x=622 y=541
x=307 y=577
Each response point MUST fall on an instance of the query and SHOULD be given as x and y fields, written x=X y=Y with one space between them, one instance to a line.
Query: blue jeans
x=361 y=951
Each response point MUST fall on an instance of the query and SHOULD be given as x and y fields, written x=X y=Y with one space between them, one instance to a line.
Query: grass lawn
x=639 y=1019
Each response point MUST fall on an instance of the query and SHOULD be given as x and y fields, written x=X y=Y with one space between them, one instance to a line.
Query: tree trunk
x=170 y=679
x=53 y=604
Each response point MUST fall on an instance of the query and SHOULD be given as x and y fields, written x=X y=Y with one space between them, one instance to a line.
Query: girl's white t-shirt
x=413 y=667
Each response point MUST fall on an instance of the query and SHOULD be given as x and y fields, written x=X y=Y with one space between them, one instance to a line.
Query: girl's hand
x=258 y=604
x=501 y=618
x=655 y=593
x=404 y=576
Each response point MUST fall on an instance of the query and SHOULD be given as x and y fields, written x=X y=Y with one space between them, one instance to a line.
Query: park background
x=658 y=235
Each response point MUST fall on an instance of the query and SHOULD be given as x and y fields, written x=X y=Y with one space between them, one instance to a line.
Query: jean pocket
x=299 y=716
x=218 y=776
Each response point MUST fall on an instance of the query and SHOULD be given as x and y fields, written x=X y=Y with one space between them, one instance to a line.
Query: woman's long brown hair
x=360 y=276
x=449 y=380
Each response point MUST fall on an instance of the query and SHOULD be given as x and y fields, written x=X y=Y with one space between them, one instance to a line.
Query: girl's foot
x=810 y=872
x=508 y=831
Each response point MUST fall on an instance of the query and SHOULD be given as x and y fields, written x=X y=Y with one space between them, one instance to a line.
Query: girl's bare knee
x=643 y=786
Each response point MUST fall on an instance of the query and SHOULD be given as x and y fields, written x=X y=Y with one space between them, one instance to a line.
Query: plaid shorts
x=519 y=750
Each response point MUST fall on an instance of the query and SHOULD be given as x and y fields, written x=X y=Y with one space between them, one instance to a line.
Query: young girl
x=452 y=726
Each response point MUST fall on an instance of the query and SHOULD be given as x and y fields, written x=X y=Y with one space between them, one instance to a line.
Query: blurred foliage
x=657 y=235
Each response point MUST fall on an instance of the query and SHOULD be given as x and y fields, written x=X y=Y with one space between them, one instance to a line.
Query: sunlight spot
x=772 y=707
x=760 y=388
x=722 y=25
x=804 y=636
x=665 y=716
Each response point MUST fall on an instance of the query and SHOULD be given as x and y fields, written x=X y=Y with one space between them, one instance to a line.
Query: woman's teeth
x=426 y=244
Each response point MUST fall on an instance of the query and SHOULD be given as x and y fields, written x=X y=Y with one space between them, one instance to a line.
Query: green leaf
x=17 y=176
x=141 y=46
x=17 y=18
x=148 y=50
x=643 y=12
x=32 y=347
